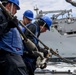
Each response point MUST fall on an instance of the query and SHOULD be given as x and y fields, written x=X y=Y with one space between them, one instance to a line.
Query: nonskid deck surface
x=59 y=68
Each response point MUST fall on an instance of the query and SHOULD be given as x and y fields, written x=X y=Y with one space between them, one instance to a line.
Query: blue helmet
x=47 y=20
x=16 y=2
x=28 y=14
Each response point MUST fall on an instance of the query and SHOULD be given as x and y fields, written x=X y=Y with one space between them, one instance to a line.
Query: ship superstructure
x=62 y=36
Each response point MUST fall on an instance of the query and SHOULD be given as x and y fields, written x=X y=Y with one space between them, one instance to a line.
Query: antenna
x=36 y=9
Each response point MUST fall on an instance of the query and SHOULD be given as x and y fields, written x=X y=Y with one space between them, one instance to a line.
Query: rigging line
x=52 y=51
x=11 y=17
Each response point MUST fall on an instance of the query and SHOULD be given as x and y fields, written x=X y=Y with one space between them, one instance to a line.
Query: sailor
x=36 y=28
x=72 y=2
x=27 y=18
x=11 y=49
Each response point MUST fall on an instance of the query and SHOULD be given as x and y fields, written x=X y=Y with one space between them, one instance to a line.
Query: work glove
x=13 y=23
x=46 y=53
x=38 y=54
x=41 y=63
x=43 y=66
x=39 y=58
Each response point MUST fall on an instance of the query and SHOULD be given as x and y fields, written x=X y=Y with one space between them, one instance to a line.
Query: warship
x=62 y=35
x=61 y=38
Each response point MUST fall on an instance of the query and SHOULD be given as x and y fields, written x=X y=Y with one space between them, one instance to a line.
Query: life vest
x=36 y=32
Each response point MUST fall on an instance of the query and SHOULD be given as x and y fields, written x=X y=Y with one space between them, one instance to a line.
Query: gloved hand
x=12 y=23
x=38 y=62
x=39 y=59
x=43 y=66
x=41 y=63
x=46 y=53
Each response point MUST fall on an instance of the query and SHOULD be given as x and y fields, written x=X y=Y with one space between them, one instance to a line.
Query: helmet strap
x=11 y=8
x=42 y=27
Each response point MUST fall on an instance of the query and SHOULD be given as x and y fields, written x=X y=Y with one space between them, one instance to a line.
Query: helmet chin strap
x=11 y=8
x=42 y=27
